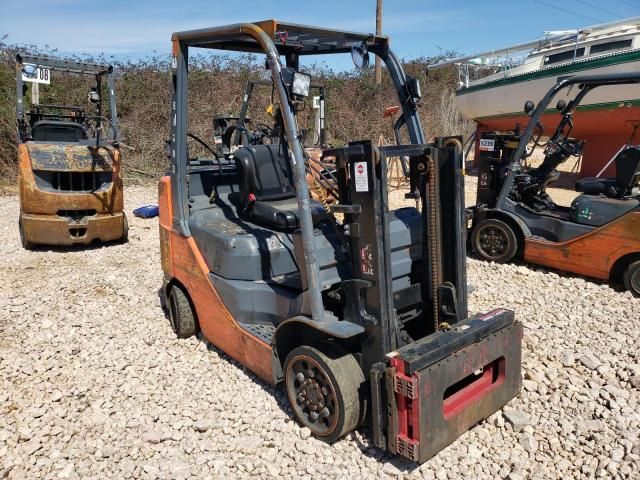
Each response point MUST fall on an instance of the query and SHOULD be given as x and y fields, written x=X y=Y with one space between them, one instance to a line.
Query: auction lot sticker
x=487 y=145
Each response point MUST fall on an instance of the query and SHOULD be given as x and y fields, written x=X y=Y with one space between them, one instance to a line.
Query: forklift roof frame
x=586 y=84
x=275 y=38
x=68 y=66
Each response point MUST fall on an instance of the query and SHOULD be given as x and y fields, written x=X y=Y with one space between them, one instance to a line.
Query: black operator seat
x=58 y=131
x=627 y=177
x=267 y=188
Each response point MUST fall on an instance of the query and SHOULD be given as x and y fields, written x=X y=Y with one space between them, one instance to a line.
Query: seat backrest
x=58 y=131
x=265 y=172
x=628 y=168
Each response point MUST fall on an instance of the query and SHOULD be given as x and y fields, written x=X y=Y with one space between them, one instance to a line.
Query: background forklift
x=69 y=162
x=364 y=320
x=598 y=236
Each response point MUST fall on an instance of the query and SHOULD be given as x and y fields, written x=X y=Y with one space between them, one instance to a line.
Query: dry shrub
x=354 y=103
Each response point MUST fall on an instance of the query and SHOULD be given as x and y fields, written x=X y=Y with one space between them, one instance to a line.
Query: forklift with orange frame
x=364 y=319
x=514 y=217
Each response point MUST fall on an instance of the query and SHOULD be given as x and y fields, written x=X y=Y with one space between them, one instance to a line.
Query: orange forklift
x=514 y=217
x=69 y=164
x=363 y=320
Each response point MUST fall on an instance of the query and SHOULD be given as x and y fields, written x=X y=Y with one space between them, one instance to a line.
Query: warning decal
x=362 y=176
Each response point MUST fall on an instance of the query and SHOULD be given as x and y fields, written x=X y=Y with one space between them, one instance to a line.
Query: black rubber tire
x=125 y=230
x=344 y=379
x=26 y=244
x=494 y=241
x=181 y=315
x=632 y=278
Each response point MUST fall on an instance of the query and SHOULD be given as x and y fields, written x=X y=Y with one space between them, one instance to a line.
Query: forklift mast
x=451 y=371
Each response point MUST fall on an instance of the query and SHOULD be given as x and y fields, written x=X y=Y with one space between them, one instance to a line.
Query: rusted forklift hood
x=76 y=158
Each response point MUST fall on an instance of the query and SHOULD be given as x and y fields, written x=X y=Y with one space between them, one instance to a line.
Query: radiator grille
x=72 y=181
x=76 y=214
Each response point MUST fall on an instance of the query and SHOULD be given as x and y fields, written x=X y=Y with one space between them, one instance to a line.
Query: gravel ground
x=94 y=385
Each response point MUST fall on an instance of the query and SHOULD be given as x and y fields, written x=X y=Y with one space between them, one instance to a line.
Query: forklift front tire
x=632 y=278
x=494 y=241
x=181 y=315
x=324 y=387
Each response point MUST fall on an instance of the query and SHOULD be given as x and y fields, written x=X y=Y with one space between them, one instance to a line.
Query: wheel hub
x=315 y=399
x=493 y=241
x=312 y=394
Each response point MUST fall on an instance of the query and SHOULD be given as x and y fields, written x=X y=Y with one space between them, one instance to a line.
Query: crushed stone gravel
x=94 y=385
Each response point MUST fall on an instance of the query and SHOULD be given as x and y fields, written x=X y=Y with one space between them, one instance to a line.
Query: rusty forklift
x=69 y=160
x=363 y=320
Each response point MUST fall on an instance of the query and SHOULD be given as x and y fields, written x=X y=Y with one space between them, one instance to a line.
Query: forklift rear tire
x=323 y=386
x=181 y=315
x=26 y=244
x=632 y=278
x=494 y=241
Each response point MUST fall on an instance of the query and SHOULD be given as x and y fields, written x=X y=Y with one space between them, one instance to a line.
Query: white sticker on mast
x=35 y=74
x=361 y=176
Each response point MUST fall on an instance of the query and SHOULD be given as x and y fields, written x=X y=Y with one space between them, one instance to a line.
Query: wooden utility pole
x=378 y=32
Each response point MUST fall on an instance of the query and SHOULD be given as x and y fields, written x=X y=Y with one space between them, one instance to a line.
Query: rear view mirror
x=560 y=106
x=413 y=86
x=360 y=55
x=529 y=106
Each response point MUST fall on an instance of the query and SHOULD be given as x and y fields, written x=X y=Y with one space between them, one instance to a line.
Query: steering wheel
x=205 y=145
x=566 y=147
x=263 y=130
x=92 y=122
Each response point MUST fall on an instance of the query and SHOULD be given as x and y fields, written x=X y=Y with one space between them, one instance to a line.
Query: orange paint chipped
x=186 y=265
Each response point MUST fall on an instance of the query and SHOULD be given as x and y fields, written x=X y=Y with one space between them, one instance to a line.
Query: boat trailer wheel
x=494 y=240
x=316 y=403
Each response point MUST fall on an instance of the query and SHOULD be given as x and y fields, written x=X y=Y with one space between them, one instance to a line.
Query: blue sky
x=130 y=28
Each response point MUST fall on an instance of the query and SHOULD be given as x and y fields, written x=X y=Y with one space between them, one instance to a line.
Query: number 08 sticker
x=35 y=74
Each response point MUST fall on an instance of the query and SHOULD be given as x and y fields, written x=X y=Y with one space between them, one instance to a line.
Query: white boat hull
x=501 y=100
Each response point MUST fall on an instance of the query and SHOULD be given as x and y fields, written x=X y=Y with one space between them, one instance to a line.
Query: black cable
x=609 y=12
x=568 y=11
x=626 y=2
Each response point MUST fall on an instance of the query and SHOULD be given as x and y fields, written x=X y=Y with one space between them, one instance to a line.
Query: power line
x=609 y=12
x=568 y=11
x=627 y=2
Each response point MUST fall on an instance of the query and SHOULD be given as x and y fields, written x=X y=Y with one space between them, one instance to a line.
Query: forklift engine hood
x=71 y=158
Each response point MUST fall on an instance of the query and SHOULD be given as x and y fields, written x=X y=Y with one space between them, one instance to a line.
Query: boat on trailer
x=493 y=86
